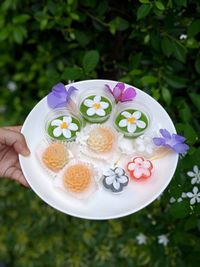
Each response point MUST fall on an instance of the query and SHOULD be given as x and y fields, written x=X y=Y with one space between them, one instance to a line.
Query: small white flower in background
x=183 y=195
x=183 y=36
x=162 y=239
x=70 y=81
x=172 y=200
x=195 y=196
x=179 y=199
x=141 y=239
x=12 y=86
x=195 y=175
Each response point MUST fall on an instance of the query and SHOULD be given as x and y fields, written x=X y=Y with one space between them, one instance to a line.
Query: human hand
x=12 y=143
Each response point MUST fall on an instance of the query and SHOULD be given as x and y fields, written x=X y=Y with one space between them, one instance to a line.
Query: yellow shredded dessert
x=101 y=140
x=55 y=156
x=77 y=178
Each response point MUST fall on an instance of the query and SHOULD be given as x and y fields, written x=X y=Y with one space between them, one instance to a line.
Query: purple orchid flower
x=173 y=141
x=59 y=95
x=120 y=93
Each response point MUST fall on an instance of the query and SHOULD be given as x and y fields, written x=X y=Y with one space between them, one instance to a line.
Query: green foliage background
x=142 y=43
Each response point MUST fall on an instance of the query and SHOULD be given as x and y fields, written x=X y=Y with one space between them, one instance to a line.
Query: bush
x=150 y=44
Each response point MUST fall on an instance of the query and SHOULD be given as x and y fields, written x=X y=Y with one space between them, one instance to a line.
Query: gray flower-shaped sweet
x=115 y=179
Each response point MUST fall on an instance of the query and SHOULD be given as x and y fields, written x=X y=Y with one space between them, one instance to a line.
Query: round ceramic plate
x=102 y=204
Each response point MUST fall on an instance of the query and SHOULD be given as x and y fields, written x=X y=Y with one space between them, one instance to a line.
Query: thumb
x=14 y=139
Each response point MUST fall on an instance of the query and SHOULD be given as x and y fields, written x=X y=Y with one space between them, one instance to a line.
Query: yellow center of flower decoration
x=131 y=120
x=101 y=140
x=96 y=105
x=64 y=125
x=77 y=178
x=55 y=156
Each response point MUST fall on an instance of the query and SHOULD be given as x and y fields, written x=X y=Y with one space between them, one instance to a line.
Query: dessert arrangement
x=101 y=139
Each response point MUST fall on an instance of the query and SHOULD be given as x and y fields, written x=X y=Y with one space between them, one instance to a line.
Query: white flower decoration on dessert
x=115 y=179
x=195 y=175
x=132 y=121
x=195 y=196
x=96 y=106
x=64 y=127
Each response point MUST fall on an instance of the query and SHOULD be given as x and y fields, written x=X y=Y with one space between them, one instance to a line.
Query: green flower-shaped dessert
x=64 y=128
x=96 y=108
x=131 y=122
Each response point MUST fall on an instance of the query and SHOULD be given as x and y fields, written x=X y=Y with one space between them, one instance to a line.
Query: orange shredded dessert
x=55 y=156
x=77 y=178
x=101 y=140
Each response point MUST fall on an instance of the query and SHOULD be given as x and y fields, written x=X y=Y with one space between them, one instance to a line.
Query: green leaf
x=195 y=100
x=179 y=51
x=118 y=24
x=159 y=5
x=166 y=95
x=167 y=46
x=197 y=64
x=149 y=79
x=90 y=60
x=180 y=210
x=144 y=1
x=143 y=11
x=72 y=74
x=194 y=28
x=21 y=19
x=175 y=81
x=190 y=134
x=82 y=37
x=181 y=2
x=19 y=33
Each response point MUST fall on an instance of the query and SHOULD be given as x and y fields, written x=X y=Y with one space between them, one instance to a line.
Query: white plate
x=103 y=204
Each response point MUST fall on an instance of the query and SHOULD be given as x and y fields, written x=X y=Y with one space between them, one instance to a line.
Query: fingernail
x=26 y=152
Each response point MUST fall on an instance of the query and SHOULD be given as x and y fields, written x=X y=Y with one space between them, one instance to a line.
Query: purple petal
x=166 y=134
x=128 y=94
x=179 y=138
x=70 y=91
x=159 y=141
x=117 y=92
x=108 y=88
x=59 y=88
x=180 y=148
x=56 y=100
x=121 y=86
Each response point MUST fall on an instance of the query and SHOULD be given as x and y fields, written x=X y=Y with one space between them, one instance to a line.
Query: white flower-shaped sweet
x=195 y=175
x=64 y=127
x=141 y=239
x=195 y=196
x=162 y=239
x=96 y=106
x=132 y=121
x=144 y=144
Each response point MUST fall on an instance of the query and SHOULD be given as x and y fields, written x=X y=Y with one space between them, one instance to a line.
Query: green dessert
x=96 y=108
x=64 y=128
x=131 y=122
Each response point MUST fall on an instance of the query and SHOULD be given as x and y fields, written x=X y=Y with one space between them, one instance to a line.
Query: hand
x=12 y=143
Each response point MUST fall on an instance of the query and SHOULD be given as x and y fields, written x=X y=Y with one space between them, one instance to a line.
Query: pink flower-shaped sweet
x=121 y=93
x=140 y=168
